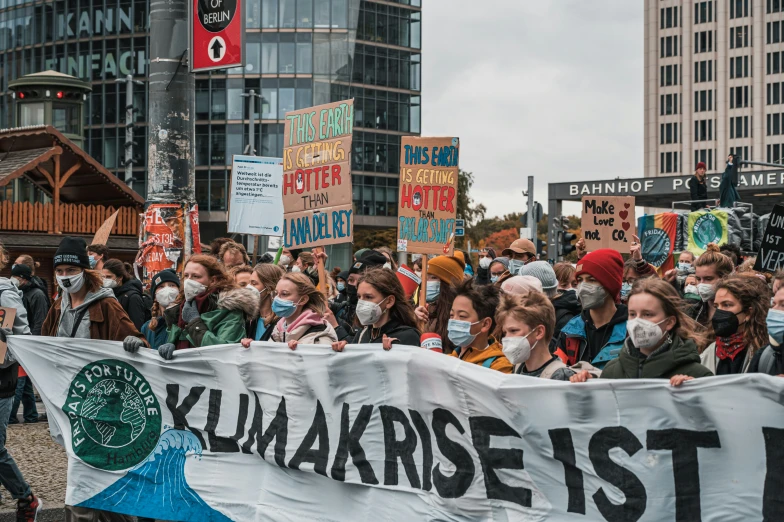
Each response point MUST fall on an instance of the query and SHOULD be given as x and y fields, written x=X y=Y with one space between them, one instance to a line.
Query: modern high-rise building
x=298 y=53
x=714 y=83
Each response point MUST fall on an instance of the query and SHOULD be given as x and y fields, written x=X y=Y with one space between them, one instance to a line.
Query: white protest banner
x=224 y=433
x=256 y=199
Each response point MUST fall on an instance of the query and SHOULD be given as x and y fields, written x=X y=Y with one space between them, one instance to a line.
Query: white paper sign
x=256 y=200
x=267 y=433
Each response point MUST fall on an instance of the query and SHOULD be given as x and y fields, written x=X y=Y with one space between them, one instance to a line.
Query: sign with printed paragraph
x=255 y=205
x=608 y=222
x=317 y=196
x=405 y=434
x=428 y=195
x=771 y=253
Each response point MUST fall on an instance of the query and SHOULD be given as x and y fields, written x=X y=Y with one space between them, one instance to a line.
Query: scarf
x=729 y=347
x=202 y=303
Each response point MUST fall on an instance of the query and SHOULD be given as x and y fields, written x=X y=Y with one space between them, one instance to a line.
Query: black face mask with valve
x=725 y=323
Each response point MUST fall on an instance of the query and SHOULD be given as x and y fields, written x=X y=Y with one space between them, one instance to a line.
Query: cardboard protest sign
x=255 y=202
x=101 y=237
x=428 y=195
x=7 y=316
x=770 y=257
x=317 y=196
x=608 y=222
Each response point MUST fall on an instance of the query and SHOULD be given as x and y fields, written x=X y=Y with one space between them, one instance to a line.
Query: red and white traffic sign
x=217 y=34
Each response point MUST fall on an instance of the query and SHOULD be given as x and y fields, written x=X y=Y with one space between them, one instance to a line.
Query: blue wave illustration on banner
x=157 y=488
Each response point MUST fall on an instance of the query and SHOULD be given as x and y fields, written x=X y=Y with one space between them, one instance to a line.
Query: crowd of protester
x=601 y=317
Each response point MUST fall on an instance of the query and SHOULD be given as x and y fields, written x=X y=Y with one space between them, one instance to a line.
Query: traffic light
x=566 y=243
x=28 y=94
x=541 y=248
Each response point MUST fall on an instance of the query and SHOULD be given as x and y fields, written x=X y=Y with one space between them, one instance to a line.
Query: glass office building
x=298 y=53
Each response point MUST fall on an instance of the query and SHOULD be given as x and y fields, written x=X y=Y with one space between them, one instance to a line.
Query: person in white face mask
x=486 y=256
x=383 y=313
x=527 y=323
x=127 y=289
x=165 y=288
x=710 y=268
x=663 y=341
x=87 y=310
x=210 y=309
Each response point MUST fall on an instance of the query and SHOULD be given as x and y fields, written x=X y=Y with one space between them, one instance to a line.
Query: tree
x=467 y=209
x=502 y=239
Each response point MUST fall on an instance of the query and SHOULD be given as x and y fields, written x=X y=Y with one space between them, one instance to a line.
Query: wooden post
x=423 y=290
x=322 y=273
x=57 y=228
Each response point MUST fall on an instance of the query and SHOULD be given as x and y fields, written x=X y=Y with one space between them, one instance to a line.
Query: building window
x=669 y=17
x=705 y=156
x=739 y=36
x=703 y=130
x=703 y=71
x=669 y=46
x=743 y=152
x=774 y=153
x=703 y=42
x=739 y=67
x=703 y=12
x=774 y=32
x=739 y=97
x=774 y=91
x=774 y=6
x=739 y=127
x=774 y=63
x=669 y=104
x=774 y=122
x=669 y=162
x=669 y=75
x=703 y=101
x=739 y=8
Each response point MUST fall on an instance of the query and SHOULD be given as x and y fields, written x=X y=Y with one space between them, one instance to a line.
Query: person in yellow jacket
x=471 y=323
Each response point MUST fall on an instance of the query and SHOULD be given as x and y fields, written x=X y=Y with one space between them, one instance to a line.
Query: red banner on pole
x=217 y=34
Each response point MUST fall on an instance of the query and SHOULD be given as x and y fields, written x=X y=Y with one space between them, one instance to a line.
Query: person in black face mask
x=341 y=315
x=742 y=303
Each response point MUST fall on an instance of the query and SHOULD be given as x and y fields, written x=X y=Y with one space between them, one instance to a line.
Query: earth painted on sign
x=707 y=229
x=215 y=15
x=115 y=417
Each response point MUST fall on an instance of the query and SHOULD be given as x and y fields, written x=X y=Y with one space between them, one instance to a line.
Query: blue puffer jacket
x=572 y=343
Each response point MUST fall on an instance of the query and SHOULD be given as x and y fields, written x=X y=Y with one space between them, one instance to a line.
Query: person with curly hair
x=209 y=310
x=738 y=323
x=233 y=254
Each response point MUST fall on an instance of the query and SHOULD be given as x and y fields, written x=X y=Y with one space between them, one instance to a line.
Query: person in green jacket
x=662 y=340
x=210 y=309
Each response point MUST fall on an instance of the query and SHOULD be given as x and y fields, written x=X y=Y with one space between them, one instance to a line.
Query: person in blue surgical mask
x=444 y=273
x=98 y=255
x=769 y=360
x=471 y=325
x=301 y=308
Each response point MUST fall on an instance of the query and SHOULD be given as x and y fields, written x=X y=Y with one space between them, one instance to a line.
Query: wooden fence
x=74 y=219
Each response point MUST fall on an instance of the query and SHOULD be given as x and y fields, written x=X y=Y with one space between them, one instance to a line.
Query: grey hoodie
x=11 y=297
x=68 y=315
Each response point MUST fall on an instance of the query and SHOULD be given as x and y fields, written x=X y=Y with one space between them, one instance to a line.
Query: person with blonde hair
x=527 y=324
x=264 y=280
x=739 y=324
x=301 y=308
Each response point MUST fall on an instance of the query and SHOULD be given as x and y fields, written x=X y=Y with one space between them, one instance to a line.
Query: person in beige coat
x=301 y=308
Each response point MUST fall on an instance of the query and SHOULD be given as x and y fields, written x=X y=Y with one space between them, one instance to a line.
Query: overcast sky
x=549 y=88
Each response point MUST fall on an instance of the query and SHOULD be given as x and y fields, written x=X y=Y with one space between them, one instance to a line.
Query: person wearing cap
x=520 y=252
x=597 y=334
x=499 y=271
x=342 y=315
x=698 y=188
x=486 y=256
x=87 y=310
x=341 y=282
x=165 y=288
x=444 y=274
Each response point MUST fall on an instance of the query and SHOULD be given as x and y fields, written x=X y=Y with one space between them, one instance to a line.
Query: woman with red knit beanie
x=597 y=334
